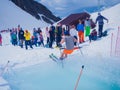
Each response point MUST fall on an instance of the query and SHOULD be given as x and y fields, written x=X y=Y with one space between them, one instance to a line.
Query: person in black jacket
x=52 y=37
x=58 y=34
x=21 y=37
x=100 y=21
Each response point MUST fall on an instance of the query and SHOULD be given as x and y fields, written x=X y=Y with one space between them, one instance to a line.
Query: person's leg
x=21 y=41
x=35 y=41
x=82 y=36
x=26 y=43
x=87 y=30
x=47 y=40
x=39 y=43
x=79 y=35
x=63 y=55
x=90 y=38
x=100 y=30
x=95 y=37
x=75 y=43
x=42 y=42
x=51 y=42
x=30 y=44
x=14 y=42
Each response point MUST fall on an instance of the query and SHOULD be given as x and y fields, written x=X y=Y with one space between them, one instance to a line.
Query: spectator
x=87 y=26
x=93 y=35
x=35 y=36
x=47 y=35
x=21 y=37
x=80 y=29
x=100 y=21
x=58 y=34
x=73 y=32
x=27 y=36
x=52 y=37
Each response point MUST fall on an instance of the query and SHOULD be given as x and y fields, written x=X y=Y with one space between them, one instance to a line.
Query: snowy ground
x=96 y=54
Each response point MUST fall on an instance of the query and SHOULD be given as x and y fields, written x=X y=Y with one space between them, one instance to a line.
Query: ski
x=55 y=56
x=52 y=58
x=56 y=59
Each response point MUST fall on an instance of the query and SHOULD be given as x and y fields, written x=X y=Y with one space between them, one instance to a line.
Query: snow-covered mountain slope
x=37 y=10
x=11 y=16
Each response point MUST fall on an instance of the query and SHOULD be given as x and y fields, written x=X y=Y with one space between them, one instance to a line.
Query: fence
x=115 y=44
x=117 y=47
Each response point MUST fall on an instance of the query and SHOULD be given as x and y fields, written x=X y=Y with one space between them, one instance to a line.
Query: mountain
x=37 y=10
x=11 y=15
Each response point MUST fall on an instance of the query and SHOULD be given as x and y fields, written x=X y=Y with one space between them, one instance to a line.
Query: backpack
x=104 y=33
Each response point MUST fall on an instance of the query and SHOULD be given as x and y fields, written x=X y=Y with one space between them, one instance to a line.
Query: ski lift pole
x=111 y=44
x=76 y=85
x=116 y=46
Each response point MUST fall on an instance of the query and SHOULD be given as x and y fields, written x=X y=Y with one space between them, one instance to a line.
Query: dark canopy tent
x=73 y=19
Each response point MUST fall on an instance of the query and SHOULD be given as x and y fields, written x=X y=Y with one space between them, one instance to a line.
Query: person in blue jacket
x=80 y=29
x=100 y=21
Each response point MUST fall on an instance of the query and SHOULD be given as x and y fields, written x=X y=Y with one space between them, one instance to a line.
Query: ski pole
x=60 y=54
x=81 y=51
x=116 y=46
x=76 y=85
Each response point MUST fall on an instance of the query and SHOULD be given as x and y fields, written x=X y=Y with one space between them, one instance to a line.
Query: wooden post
x=76 y=85
x=111 y=44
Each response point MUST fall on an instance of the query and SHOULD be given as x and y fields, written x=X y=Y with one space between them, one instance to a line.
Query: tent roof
x=73 y=18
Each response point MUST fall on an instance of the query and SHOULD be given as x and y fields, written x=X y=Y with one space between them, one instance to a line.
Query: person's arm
x=75 y=40
x=62 y=41
x=96 y=20
x=105 y=19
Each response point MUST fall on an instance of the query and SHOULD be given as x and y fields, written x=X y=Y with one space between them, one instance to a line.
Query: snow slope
x=96 y=54
x=11 y=16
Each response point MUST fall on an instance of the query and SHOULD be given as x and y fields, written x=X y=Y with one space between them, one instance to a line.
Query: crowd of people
x=72 y=35
x=25 y=38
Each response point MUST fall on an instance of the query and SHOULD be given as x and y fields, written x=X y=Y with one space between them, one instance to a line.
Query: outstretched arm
x=96 y=20
x=105 y=19
x=62 y=41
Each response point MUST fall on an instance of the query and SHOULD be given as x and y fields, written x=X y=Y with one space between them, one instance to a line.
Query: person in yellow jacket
x=27 y=36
